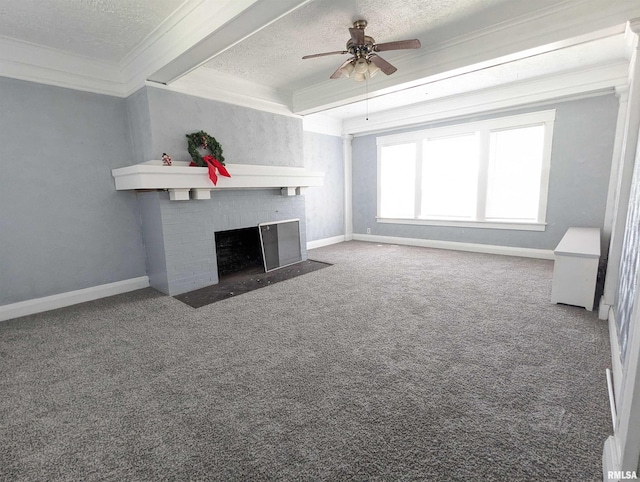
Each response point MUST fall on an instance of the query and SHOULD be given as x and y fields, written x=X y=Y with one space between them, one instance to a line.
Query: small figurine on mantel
x=166 y=159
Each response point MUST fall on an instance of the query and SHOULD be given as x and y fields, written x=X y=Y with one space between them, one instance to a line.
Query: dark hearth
x=245 y=281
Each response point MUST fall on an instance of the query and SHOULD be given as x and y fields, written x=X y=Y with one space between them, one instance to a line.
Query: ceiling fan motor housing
x=362 y=50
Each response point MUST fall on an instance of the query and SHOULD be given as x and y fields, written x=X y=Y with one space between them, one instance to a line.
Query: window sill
x=514 y=226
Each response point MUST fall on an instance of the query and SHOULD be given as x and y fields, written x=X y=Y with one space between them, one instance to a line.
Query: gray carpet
x=396 y=363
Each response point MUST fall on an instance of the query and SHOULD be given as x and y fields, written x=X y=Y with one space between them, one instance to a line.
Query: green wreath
x=204 y=140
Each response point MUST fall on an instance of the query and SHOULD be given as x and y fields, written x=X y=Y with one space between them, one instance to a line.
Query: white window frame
x=484 y=128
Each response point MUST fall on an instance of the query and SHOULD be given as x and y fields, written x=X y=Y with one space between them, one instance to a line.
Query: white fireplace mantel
x=180 y=179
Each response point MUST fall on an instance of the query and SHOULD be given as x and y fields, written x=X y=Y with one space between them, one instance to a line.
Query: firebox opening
x=239 y=250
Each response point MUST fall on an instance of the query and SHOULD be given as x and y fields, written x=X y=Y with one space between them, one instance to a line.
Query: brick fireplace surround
x=179 y=236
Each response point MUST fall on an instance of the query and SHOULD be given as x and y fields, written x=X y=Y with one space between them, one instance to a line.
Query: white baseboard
x=612 y=400
x=456 y=246
x=38 y=305
x=616 y=363
x=610 y=460
x=319 y=243
x=603 y=310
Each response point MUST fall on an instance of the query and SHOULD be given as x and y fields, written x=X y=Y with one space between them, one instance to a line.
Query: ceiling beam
x=562 y=85
x=255 y=15
x=211 y=84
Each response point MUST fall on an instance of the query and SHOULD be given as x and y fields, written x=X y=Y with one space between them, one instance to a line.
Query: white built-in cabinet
x=575 y=269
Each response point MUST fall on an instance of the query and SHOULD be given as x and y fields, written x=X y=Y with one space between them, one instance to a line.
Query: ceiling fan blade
x=382 y=64
x=338 y=73
x=313 y=56
x=399 y=45
x=357 y=35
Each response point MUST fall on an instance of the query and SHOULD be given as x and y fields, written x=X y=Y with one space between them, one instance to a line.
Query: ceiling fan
x=365 y=62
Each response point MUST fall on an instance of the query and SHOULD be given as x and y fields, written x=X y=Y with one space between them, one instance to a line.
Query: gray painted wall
x=140 y=126
x=153 y=238
x=325 y=204
x=247 y=136
x=580 y=166
x=63 y=226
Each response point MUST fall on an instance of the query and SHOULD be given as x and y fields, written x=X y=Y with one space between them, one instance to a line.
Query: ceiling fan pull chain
x=367 y=96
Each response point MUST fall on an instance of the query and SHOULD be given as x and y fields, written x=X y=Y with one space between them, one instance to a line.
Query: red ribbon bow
x=213 y=164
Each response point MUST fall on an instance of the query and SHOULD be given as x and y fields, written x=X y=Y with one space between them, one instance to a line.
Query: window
x=398 y=167
x=515 y=164
x=492 y=173
x=449 y=172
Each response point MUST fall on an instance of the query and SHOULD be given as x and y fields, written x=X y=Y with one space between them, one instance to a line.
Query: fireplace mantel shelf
x=180 y=179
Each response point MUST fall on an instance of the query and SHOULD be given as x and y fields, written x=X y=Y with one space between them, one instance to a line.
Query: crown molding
x=188 y=25
x=574 y=84
x=634 y=26
x=562 y=25
x=34 y=63
x=631 y=36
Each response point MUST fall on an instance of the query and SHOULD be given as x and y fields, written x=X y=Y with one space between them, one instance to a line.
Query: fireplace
x=266 y=247
x=239 y=250
x=181 y=238
x=181 y=210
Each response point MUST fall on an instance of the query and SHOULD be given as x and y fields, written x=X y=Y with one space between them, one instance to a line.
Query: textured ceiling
x=273 y=56
x=599 y=52
x=98 y=29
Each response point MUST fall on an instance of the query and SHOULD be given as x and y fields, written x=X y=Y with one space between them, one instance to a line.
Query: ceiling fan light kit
x=348 y=69
x=361 y=66
x=365 y=63
x=359 y=70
